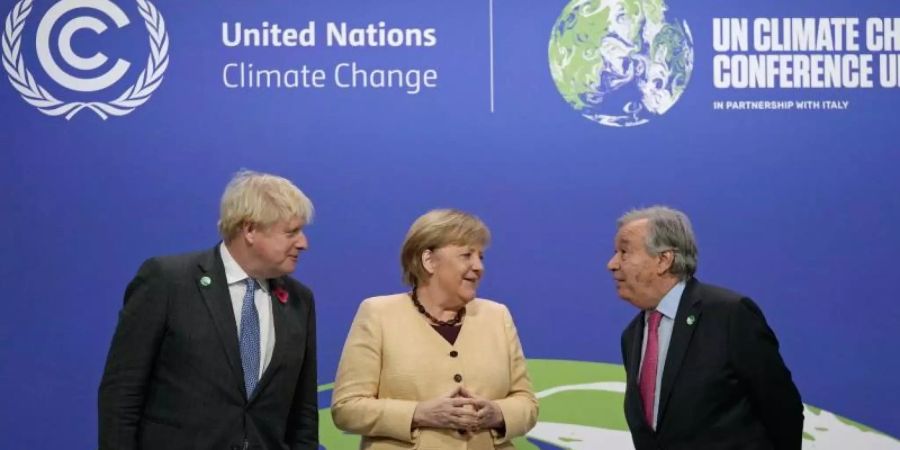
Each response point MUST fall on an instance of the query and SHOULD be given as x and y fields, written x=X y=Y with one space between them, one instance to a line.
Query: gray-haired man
x=703 y=367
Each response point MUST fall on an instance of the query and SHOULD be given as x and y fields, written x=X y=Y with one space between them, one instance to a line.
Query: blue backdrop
x=797 y=209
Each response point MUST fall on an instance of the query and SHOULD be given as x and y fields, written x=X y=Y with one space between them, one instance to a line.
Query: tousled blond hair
x=262 y=199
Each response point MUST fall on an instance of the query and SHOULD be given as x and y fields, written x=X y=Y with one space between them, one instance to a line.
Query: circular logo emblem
x=36 y=95
x=619 y=62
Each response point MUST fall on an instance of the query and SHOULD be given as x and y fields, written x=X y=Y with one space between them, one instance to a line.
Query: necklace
x=449 y=323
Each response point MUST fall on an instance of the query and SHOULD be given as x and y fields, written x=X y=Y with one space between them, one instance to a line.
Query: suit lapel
x=682 y=332
x=634 y=363
x=637 y=341
x=214 y=289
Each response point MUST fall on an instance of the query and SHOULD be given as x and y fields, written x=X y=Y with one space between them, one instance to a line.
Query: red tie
x=647 y=382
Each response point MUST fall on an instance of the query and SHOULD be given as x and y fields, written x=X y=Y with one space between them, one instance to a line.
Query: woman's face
x=456 y=269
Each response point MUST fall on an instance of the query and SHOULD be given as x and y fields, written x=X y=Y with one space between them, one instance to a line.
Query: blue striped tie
x=249 y=338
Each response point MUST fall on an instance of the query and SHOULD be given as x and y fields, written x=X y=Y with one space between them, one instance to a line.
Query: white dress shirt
x=237 y=287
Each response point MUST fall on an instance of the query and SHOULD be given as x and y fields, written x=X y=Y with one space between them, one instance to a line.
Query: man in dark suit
x=217 y=349
x=703 y=367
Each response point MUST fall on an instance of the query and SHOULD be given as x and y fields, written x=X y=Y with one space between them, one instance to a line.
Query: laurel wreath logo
x=136 y=95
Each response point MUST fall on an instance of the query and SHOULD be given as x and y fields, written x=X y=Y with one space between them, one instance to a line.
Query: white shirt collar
x=233 y=271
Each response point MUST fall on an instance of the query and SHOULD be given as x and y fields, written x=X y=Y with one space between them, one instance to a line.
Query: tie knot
x=654 y=319
x=251 y=284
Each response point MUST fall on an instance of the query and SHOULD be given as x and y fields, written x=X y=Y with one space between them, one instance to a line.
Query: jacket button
x=457 y=378
x=454 y=354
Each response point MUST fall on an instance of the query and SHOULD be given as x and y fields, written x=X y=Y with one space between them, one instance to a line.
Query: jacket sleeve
x=303 y=420
x=520 y=407
x=755 y=355
x=129 y=364
x=355 y=405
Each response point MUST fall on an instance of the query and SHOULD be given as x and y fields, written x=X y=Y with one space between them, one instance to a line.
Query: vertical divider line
x=491 y=43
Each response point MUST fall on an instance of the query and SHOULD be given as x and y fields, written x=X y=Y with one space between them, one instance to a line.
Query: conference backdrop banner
x=772 y=124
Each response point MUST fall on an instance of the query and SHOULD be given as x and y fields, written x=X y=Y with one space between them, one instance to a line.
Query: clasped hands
x=461 y=410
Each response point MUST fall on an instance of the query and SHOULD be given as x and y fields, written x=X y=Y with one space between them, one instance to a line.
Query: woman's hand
x=487 y=413
x=454 y=410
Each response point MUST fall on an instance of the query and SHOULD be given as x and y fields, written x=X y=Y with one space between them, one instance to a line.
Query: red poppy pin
x=281 y=294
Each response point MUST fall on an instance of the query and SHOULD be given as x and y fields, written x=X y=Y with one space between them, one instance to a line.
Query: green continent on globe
x=574 y=67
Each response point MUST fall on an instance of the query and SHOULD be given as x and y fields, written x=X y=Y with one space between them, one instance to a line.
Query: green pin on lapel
x=205 y=281
x=691 y=319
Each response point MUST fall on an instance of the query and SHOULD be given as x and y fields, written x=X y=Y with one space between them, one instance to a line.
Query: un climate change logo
x=36 y=95
x=619 y=62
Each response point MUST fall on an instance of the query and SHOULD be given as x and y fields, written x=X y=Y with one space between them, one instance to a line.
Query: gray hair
x=667 y=229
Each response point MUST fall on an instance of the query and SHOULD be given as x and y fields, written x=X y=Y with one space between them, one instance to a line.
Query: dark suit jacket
x=724 y=384
x=173 y=377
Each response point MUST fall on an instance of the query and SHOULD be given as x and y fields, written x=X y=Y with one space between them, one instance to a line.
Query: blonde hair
x=434 y=229
x=262 y=199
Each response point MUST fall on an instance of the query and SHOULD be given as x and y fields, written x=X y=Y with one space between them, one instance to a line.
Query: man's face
x=636 y=272
x=457 y=269
x=278 y=246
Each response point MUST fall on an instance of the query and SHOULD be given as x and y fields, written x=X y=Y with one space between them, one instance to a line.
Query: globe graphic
x=581 y=409
x=619 y=62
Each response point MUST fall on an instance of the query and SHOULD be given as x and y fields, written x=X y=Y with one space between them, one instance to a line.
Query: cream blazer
x=393 y=358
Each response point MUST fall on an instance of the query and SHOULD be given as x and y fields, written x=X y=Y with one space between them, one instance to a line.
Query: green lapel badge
x=691 y=319
x=205 y=281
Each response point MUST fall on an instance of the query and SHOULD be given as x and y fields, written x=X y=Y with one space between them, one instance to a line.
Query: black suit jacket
x=173 y=377
x=724 y=384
